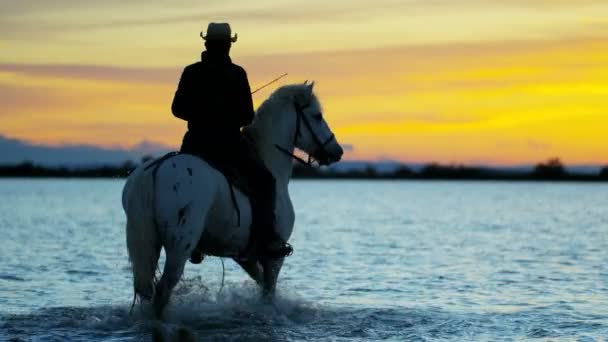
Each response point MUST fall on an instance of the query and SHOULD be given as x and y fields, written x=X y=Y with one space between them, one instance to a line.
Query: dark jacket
x=214 y=96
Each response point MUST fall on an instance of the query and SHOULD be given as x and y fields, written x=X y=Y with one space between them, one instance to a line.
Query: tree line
x=552 y=169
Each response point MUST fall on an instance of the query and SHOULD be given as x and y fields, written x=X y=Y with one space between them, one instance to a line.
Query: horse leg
x=180 y=240
x=174 y=268
x=254 y=269
x=272 y=268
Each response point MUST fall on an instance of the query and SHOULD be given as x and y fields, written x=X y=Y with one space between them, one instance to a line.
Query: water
x=374 y=261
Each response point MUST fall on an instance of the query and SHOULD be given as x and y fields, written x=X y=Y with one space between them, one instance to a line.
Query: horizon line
x=159 y=148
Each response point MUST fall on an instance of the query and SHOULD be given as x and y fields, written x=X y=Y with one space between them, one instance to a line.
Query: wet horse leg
x=272 y=268
x=253 y=269
x=172 y=272
x=179 y=242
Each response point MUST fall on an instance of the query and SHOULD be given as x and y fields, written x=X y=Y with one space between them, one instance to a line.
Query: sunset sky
x=463 y=81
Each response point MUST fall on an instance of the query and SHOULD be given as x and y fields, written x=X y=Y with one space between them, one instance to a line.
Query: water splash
x=194 y=312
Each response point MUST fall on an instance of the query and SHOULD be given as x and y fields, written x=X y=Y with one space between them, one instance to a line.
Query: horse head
x=311 y=132
x=292 y=117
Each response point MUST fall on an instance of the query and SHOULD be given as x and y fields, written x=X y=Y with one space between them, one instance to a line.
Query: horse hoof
x=158 y=334
x=267 y=297
x=158 y=310
x=162 y=333
x=185 y=335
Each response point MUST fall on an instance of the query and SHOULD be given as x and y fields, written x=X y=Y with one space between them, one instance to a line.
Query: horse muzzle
x=325 y=157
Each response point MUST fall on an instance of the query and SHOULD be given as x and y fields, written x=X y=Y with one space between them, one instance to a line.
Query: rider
x=214 y=97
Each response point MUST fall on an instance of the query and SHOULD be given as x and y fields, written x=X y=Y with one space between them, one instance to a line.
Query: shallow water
x=374 y=261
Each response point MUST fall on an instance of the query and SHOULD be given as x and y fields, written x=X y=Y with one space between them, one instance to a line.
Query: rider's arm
x=182 y=106
x=244 y=101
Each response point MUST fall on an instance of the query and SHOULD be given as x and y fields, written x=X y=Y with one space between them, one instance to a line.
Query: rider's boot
x=197 y=256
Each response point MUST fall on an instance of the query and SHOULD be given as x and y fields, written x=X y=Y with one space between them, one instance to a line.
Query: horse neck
x=275 y=129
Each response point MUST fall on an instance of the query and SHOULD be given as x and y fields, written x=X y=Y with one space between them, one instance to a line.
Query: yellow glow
x=468 y=82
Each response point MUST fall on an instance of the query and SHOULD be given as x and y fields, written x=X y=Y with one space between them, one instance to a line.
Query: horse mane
x=283 y=96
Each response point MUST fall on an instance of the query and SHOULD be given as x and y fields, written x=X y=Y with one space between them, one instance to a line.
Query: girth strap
x=234 y=202
x=156 y=164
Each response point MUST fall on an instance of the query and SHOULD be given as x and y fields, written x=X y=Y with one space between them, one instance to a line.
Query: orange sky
x=467 y=81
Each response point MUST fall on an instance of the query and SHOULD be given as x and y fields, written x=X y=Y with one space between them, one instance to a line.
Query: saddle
x=234 y=177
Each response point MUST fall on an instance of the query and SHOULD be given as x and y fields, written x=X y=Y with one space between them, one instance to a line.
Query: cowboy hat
x=219 y=31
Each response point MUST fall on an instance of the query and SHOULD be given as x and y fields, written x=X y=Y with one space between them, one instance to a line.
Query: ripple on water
x=238 y=314
x=82 y=272
x=10 y=277
x=374 y=260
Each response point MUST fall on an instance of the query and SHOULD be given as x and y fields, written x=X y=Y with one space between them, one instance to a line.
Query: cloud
x=283 y=13
x=538 y=145
x=306 y=7
x=14 y=151
x=445 y=102
x=96 y=72
x=40 y=20
x=348 y=147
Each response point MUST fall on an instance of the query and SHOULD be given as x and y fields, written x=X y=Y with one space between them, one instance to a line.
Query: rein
x=300 y=160
x=321 y=145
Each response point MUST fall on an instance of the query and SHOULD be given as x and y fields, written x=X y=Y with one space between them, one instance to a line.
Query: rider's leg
x=266 y=242
x=263 y=207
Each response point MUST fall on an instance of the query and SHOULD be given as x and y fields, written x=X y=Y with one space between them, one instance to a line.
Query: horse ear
x=306 y=82
x=310 y=86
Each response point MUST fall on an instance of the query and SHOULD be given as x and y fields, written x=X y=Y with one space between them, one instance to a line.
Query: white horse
x=177 y=201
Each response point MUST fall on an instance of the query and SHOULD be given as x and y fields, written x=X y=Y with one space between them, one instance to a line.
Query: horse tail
x=143 y=242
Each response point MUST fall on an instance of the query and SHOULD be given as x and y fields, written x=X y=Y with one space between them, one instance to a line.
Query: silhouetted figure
x=214 y=96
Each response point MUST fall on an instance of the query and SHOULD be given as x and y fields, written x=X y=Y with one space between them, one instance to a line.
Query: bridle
x=320 y=152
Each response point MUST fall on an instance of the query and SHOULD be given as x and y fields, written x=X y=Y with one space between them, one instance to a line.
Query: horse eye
x=318 y=116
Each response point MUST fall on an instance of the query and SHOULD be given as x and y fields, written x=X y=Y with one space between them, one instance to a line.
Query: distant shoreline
x=551 y=171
